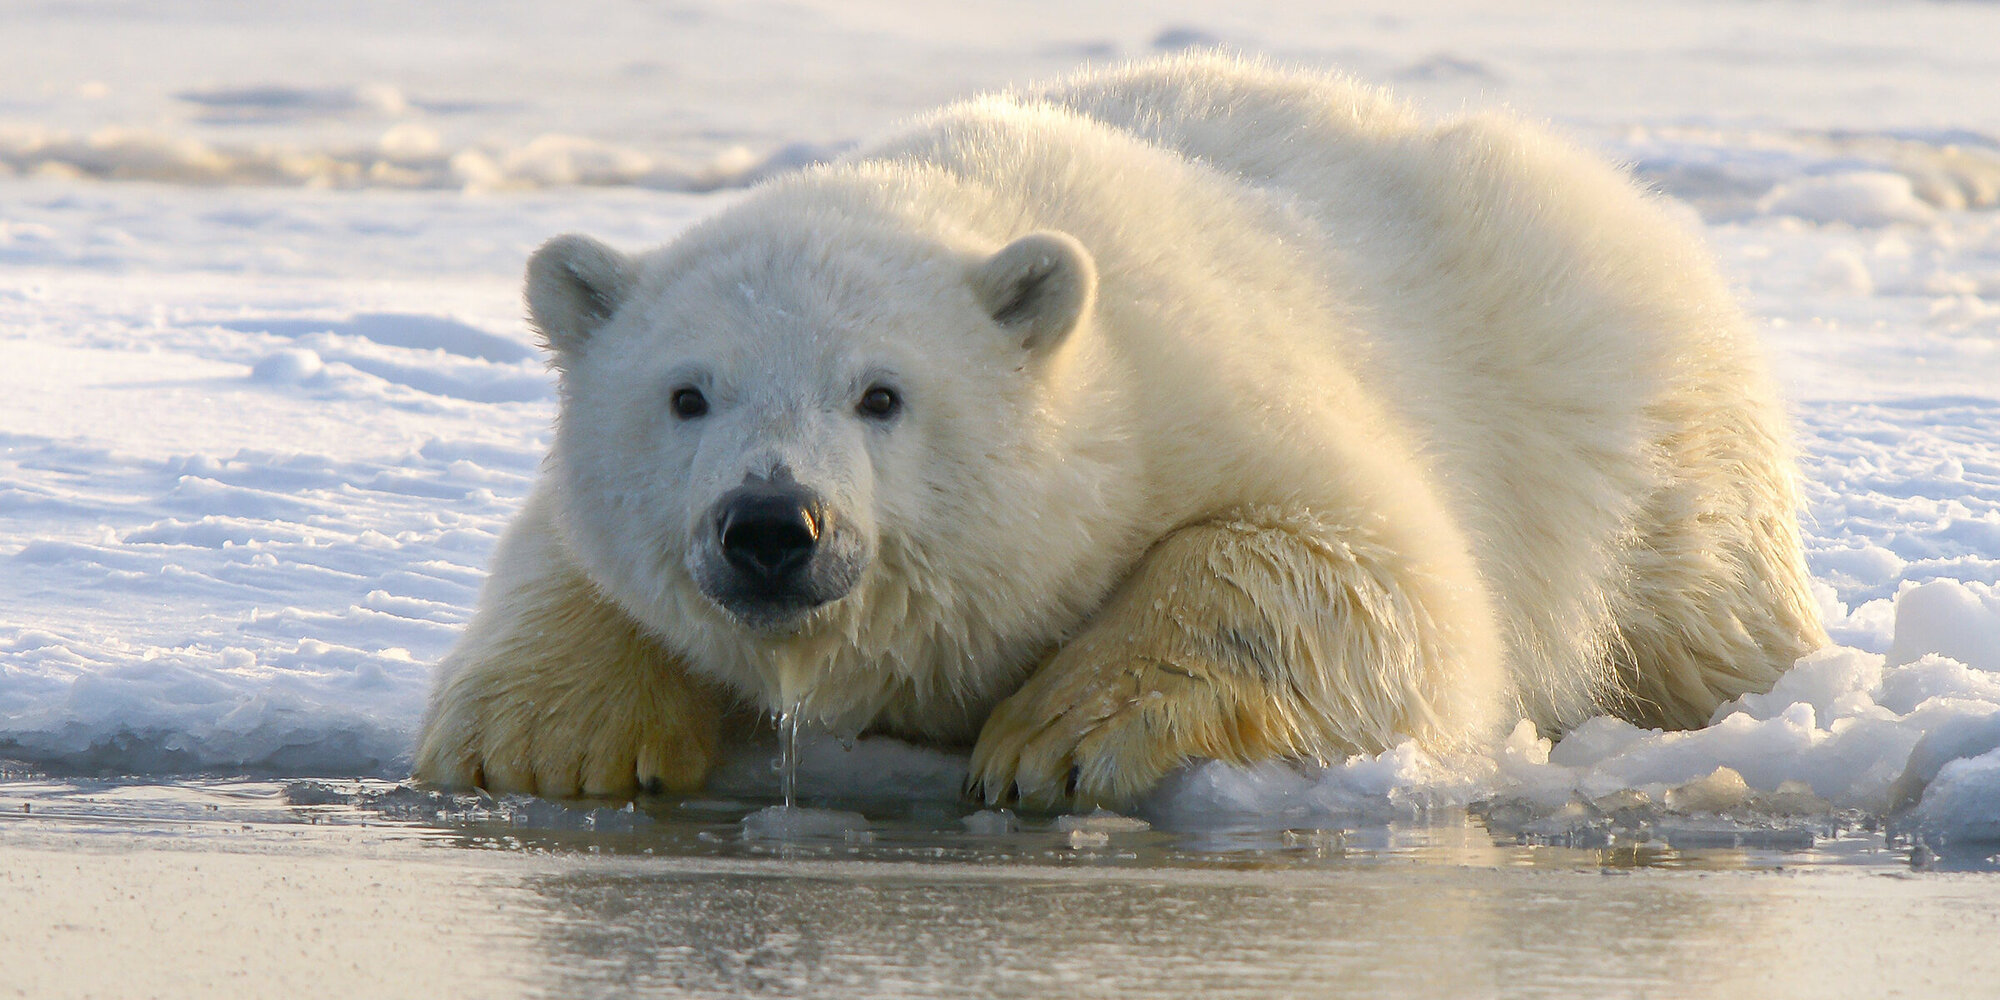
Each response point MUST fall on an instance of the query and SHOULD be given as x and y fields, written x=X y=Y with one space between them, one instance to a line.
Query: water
x=787 y=761
x=194 y=888
x=788 y=822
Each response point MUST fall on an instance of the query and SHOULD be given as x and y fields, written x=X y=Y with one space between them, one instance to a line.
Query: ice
x=1097 y=828
x=1100 y=821
x=1972 y=734
x=1946 y=617
x=269 y=399
x=990 y=823
x=799 y=823
x=1959 y=806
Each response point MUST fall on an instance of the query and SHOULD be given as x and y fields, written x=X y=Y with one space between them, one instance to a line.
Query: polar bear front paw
x=1250 y=638
x=1104 y=733
x=523 y=734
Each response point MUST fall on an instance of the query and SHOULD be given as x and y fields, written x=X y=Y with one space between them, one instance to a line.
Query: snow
x=270 y=400
x=1862 y=198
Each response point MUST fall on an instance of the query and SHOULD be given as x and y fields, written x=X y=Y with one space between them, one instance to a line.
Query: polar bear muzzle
x=774 y=553
x=769 y=535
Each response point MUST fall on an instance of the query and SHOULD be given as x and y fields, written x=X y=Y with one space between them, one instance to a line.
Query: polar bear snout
x=769 y=536
x=776 y=551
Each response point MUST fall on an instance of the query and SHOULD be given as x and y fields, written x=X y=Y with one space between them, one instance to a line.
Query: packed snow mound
x=405 y=156
x=1856 y=179
x=1951 y=619
x=1867 y=198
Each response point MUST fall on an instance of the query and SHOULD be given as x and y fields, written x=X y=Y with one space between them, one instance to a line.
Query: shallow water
x=192 y=888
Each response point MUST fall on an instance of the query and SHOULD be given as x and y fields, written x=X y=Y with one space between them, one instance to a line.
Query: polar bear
x=1193 y=409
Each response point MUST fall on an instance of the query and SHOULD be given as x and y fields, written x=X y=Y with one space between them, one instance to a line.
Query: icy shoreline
x=1912 y=738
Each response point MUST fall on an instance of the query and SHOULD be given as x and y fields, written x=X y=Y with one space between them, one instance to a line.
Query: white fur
x=1465 y=358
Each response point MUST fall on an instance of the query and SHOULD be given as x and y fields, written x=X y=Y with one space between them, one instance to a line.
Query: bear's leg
x=1265 y=635
x=1717 y=600
x=554 y=691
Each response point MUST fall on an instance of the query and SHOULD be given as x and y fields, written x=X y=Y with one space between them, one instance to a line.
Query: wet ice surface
x=196 y=887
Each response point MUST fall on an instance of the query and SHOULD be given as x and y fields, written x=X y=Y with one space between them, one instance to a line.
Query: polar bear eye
x=880 y=402
x=689 y=403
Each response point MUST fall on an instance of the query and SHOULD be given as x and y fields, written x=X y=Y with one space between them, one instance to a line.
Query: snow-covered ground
x=268 y=399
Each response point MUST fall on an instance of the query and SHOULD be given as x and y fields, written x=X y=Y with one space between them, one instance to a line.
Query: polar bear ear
x=575 y=284
x=1039 y=287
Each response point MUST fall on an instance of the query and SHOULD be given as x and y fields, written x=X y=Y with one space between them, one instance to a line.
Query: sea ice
x=1959 y=806
x=800 y=823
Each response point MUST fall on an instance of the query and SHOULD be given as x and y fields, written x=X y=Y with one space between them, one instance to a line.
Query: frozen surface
x=269 y=400
x=797 y=823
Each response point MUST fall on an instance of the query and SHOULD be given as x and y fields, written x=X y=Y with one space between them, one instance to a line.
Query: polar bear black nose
x=769 y=534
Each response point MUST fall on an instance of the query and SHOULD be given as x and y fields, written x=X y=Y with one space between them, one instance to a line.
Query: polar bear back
x=1547 y=335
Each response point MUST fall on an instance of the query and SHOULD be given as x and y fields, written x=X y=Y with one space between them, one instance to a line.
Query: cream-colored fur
x=554 y=692
x=1325 y=427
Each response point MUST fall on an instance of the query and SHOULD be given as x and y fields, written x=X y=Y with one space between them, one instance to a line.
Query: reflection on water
x=858 y=929
x=926 y=833
x=200 y=880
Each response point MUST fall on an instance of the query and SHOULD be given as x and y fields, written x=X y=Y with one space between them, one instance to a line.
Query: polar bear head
x=818 y=422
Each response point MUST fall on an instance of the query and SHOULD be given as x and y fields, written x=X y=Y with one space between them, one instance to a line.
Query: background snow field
x=267 y=397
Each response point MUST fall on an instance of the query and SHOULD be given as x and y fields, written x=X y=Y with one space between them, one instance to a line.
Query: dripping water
x=790 y=821
x=787 y=762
